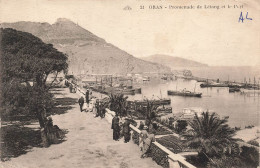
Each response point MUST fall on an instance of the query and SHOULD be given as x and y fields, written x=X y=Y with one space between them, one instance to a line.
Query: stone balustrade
x=160 y=154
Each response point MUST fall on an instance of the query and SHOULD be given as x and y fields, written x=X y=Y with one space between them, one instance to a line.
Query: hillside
x=87 y=52
x=172 y=62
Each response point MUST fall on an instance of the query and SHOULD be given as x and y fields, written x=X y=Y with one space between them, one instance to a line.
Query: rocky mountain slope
x=87 y=52
x=172 y=62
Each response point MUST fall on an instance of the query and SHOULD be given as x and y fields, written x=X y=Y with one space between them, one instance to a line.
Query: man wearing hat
x=81 y=103
x=126 y=130
x=116 y=128
x=97 y=105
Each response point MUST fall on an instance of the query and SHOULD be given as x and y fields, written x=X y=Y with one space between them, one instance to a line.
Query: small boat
x=164 y=78
x=189 y=113
x=234 y=89
x=128 y=91
x=138 y=90
x=184 y=93
x=162 y=102
x=145 y=79
x=234 y=86
x=155 y=102
x=164 y=109
x=201 y=80
x=203 y=85
x=98 y=88
x=124 y=91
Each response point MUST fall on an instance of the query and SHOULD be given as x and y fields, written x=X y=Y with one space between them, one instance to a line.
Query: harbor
x=210 y=98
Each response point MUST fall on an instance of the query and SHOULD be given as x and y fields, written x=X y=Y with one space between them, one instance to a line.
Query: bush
x=253 y=142
x=181 y=126
x=171 y=142
x=250 y=155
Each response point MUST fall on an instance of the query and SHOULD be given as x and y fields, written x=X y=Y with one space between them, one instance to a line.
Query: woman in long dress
x=126 y=131
x=143 y=135
x=147 y=144
x=116 y=128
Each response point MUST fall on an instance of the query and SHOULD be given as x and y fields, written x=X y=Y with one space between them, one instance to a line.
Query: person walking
x=126 y=130
x=116 y=128
x=87 y=97
x=81 y=103
x=70 y=87
x=97 y=108
x=102 y=109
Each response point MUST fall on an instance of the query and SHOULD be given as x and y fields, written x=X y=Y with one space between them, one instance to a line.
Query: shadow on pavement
x=62 y=105
x=17 y=140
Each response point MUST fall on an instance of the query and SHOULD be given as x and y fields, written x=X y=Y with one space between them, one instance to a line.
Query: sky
x=211 y=36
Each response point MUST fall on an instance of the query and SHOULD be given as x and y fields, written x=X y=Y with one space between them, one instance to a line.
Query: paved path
x=89 y=144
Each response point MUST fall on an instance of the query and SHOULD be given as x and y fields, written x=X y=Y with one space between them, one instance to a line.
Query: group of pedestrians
x=96 y=104
x=81 y=100
x=100 y=109
x=121 y=129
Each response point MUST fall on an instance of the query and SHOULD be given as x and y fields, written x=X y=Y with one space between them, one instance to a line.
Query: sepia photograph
x=129 y=83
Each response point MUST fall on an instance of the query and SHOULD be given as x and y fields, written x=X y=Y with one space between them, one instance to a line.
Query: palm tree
x=150 y=111
x=210 y=135
x=118 y=103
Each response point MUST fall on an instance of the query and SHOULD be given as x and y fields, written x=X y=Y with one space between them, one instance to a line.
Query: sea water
x=242 y=108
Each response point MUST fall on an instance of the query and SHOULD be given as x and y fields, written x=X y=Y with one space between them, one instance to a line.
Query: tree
x=210 y=135
x=26 y=63
x=150 y=111
x=118 y=103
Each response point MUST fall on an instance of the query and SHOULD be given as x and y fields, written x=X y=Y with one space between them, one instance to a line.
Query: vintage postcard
x=129 y=83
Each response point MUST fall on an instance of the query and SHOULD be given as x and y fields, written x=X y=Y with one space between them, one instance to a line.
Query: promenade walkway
x=88 y=144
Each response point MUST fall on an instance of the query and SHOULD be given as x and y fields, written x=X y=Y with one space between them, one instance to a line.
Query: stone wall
x=135 y=137
x=159 y=156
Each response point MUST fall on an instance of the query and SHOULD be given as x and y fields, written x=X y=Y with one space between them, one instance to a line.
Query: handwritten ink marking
x=247 y=17
x=241 y=18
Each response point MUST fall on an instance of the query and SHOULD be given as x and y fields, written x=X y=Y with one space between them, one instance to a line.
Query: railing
x=181 y=161
x=160 y=154
x=163 y=156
